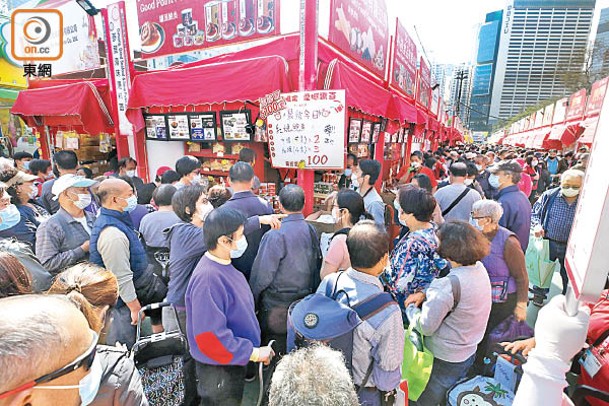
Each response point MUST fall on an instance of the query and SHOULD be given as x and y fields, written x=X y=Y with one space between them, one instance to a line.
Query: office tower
x=600 y=54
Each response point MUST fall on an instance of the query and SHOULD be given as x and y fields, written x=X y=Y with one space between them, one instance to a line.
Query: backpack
x=320 y=318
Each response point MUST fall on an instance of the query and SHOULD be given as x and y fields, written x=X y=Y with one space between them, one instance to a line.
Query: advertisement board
x=539 y=118
x=560 y=111
x=597 y=95
x=360 y=28
x=424 y=89
x=310 y=132
x=577 y=105
x=173 y=27
x=404 y=74
x=548 y=113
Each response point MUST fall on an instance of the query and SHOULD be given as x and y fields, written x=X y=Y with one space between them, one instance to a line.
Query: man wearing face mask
x=416 y=166
x=516 y=206
x=345 y=179
x=189 y=169
x=553 y=214
x=63 y=240
x=364 y=179
x=115 y=245
x=128 y=167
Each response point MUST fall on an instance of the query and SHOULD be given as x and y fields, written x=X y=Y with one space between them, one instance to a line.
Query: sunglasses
x=85 y=360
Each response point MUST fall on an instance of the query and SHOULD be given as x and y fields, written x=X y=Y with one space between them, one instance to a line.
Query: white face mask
x=479 y=167
x=415 y=165
x=33 y=192
x=84 y=200
x=204 y=210
x=468 y=182
x=336 y=214
x=569 y=192
x=241 y=247
x=131 y=173
x=534 y=163
x=196 y=179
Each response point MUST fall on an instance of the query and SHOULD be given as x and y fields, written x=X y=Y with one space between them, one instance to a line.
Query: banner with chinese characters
x=119 y=62
x=577 y=105
x=404 y=73
x=360 y=28
x=173 y=27
x=560 y=111
x=424 y=95
x=597 y=95
x=548 y=114
x=310 y=132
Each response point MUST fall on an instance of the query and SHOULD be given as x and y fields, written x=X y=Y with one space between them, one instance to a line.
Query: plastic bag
x=417 y=363
x=539 y=266
x=509 y=330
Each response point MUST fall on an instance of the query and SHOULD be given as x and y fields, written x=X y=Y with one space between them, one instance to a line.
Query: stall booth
x=70 y=114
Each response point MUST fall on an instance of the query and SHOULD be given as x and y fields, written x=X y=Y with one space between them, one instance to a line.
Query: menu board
x=170 y=27
x=360 y=28
x=376 y=131
x=178 y=127
x=404 y=61
x=234 y=125
x=156 y=127
x=203 y=127
x=366 y=132
x=310 y=132
x=355 y=129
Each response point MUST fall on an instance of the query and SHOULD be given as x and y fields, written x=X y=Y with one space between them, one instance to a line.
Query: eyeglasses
x=477 y=218
x=85 y=360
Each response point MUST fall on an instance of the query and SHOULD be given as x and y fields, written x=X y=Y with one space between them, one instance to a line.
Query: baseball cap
x=511 y=166
x=68 y=181
x=162 y=170
x=20 y=177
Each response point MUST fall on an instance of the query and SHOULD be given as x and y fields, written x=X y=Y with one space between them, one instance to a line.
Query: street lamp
x=88 y=7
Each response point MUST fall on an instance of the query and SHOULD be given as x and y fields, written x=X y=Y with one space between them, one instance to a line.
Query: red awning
x=589 y=125
x=421 y=117
x=207 y=84
x=566 y=134
x=362 y=94
x=406 y=111
x=68 y=105
x=433 y=124
x=529 y=141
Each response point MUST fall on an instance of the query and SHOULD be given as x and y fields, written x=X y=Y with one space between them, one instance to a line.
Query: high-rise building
x=460 y=88
x=540 y=39
x=486 y=58
x=442 y=74
x=600 y=54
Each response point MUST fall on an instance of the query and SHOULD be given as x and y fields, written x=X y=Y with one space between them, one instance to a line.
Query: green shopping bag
x=539 y=266
x=417 y=364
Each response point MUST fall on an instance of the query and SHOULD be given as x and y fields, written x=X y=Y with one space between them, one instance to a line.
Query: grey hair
x=488 y=208
x=312 y=376
x=572 y=173
x=31 y=337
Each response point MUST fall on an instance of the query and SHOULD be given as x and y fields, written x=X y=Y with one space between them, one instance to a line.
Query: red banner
x=168 y=28
x=577 y=105
x=404 y=73
x=424 y=96
x=597 y=95
x=360 y=28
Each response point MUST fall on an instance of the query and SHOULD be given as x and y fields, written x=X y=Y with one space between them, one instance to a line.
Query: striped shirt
x=560 y=216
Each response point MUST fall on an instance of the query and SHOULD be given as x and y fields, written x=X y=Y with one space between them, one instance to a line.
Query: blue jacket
x=516 y=213
x=113 y=218
x=250 y=205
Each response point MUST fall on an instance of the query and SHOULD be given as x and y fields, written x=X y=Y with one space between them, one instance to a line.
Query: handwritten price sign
x=310 y=132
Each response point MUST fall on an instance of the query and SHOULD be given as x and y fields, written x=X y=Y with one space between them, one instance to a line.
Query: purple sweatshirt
x=221 y=325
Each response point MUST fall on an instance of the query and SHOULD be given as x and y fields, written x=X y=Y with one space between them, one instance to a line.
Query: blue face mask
x=348 y=172
x=241 y=247
x=474 y=222
x=10 y=217
x=26 y=165
x=88 y=386
x=493 y=180
x=131 y=204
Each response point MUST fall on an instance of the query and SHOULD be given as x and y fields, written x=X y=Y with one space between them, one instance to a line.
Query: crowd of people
x=81 y=255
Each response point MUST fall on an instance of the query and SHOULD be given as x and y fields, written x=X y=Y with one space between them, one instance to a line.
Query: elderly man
x=553 y=215
x=63 y=240
x=505 y=176
x=115 y=245
x=456 y=199
x=45 y=343
x=312 y=376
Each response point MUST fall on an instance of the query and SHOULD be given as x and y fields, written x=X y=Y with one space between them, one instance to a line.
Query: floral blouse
x=414 y=264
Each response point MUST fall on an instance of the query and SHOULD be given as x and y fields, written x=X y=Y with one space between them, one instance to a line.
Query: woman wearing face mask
x=347 y=210
x=223 y=331
x=416 y=166
x=506 y=267
x=22 y=218
x=113 y=380
x=530 y=168
x=414 y=262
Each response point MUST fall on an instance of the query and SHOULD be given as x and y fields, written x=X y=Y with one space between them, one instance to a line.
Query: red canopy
x=589 y=125
x=565 y=134
x=406 y=111
x=362 y=93
x=207 y=84
x=69 y=104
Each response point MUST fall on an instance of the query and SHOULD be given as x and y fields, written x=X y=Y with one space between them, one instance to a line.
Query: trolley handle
x=153 y=306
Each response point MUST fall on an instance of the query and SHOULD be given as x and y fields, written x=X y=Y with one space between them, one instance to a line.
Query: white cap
x=68 y=181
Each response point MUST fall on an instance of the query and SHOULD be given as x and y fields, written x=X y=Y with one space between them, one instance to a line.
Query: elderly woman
x=414 y=261
x=506 y=268
x=453 y=317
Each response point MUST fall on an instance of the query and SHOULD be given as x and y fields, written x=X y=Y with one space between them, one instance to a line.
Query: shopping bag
x=479 y=390
x=509 y=330
x=539 y=266
x=417 y=363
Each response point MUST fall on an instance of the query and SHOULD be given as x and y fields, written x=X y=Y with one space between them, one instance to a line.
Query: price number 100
x=315 y=160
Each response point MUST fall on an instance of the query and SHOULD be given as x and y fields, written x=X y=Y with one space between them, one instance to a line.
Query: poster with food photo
x=376 y=131
x=234 y=125
x=355 y=129
x=178 y=127
x=203 y=127
x=156 y=127
x=366 y=132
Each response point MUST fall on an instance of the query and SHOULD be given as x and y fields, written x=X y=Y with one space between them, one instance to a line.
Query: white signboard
x=586 y=260
x=310 y=132
x=119 y=62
